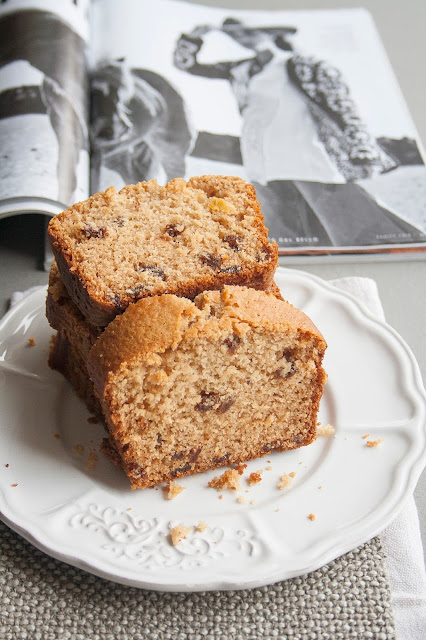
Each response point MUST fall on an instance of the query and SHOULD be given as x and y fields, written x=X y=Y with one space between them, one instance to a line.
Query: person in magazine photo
x=139 y=126
x=303 y=143
x=43 y=104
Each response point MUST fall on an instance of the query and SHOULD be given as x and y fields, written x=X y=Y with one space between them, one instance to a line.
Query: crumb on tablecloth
x=179 y=533
x=172 y=489
x=241 y=499
x=312 y=517
x=228 y=480
x=366 y=435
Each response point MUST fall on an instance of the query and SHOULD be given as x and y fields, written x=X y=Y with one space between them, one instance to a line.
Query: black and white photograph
x=290 y=103
x=44 y=101
x=314 y=162
x=139 y=126
x=302 y=104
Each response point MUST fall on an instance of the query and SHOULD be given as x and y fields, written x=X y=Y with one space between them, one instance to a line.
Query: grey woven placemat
x=44 y=599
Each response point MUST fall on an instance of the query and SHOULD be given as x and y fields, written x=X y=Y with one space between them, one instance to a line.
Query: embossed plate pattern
x=61 y=494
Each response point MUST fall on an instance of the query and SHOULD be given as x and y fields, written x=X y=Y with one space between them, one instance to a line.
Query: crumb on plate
x=31 y=342
x=329 y=430
x=255 y=477
x=179 y=533
x=172 y=489
x=312 y=517
x=201 y=526
x=228 y=480
x=284 y=481
x=374 y=443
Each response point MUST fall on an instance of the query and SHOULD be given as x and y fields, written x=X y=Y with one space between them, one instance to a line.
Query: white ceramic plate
x=62 y=495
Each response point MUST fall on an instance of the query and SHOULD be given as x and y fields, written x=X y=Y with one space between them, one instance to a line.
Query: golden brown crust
x=258 y=307
x=148 y=327
x=155 y=324
x=70 y=232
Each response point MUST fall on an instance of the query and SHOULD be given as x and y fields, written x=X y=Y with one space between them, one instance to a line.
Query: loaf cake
x=187 y=386
x=75 y=338
x=183 y=238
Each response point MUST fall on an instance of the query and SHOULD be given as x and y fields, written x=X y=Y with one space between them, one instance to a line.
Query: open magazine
x=303 y=104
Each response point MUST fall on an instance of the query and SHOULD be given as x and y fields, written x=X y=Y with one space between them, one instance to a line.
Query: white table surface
x=401 y=283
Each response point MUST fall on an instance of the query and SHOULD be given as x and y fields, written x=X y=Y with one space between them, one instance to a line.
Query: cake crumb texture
x=255 y=477
x=228 y=480
x=187 y=386
x=172 y=489
x=182 y=238
x=179 y=533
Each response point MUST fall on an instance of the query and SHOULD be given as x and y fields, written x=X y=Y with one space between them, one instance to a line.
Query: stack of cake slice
x=170 y=327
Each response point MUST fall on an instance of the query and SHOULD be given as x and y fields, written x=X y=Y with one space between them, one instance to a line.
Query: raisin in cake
x=186 y=386
x=146 y=240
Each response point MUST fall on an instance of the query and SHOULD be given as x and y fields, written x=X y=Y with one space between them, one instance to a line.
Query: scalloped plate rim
x=39 y=539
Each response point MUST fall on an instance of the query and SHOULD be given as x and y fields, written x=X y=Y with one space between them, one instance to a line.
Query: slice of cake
x=187 y=386
x=65 y=358
x=146 y=240
x=75 y=338
x=64 y=316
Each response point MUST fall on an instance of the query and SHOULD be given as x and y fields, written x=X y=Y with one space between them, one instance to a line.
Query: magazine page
x=44 y=96
x=303 y=104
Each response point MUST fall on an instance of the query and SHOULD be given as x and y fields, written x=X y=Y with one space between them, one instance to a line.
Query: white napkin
x=401 y=540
